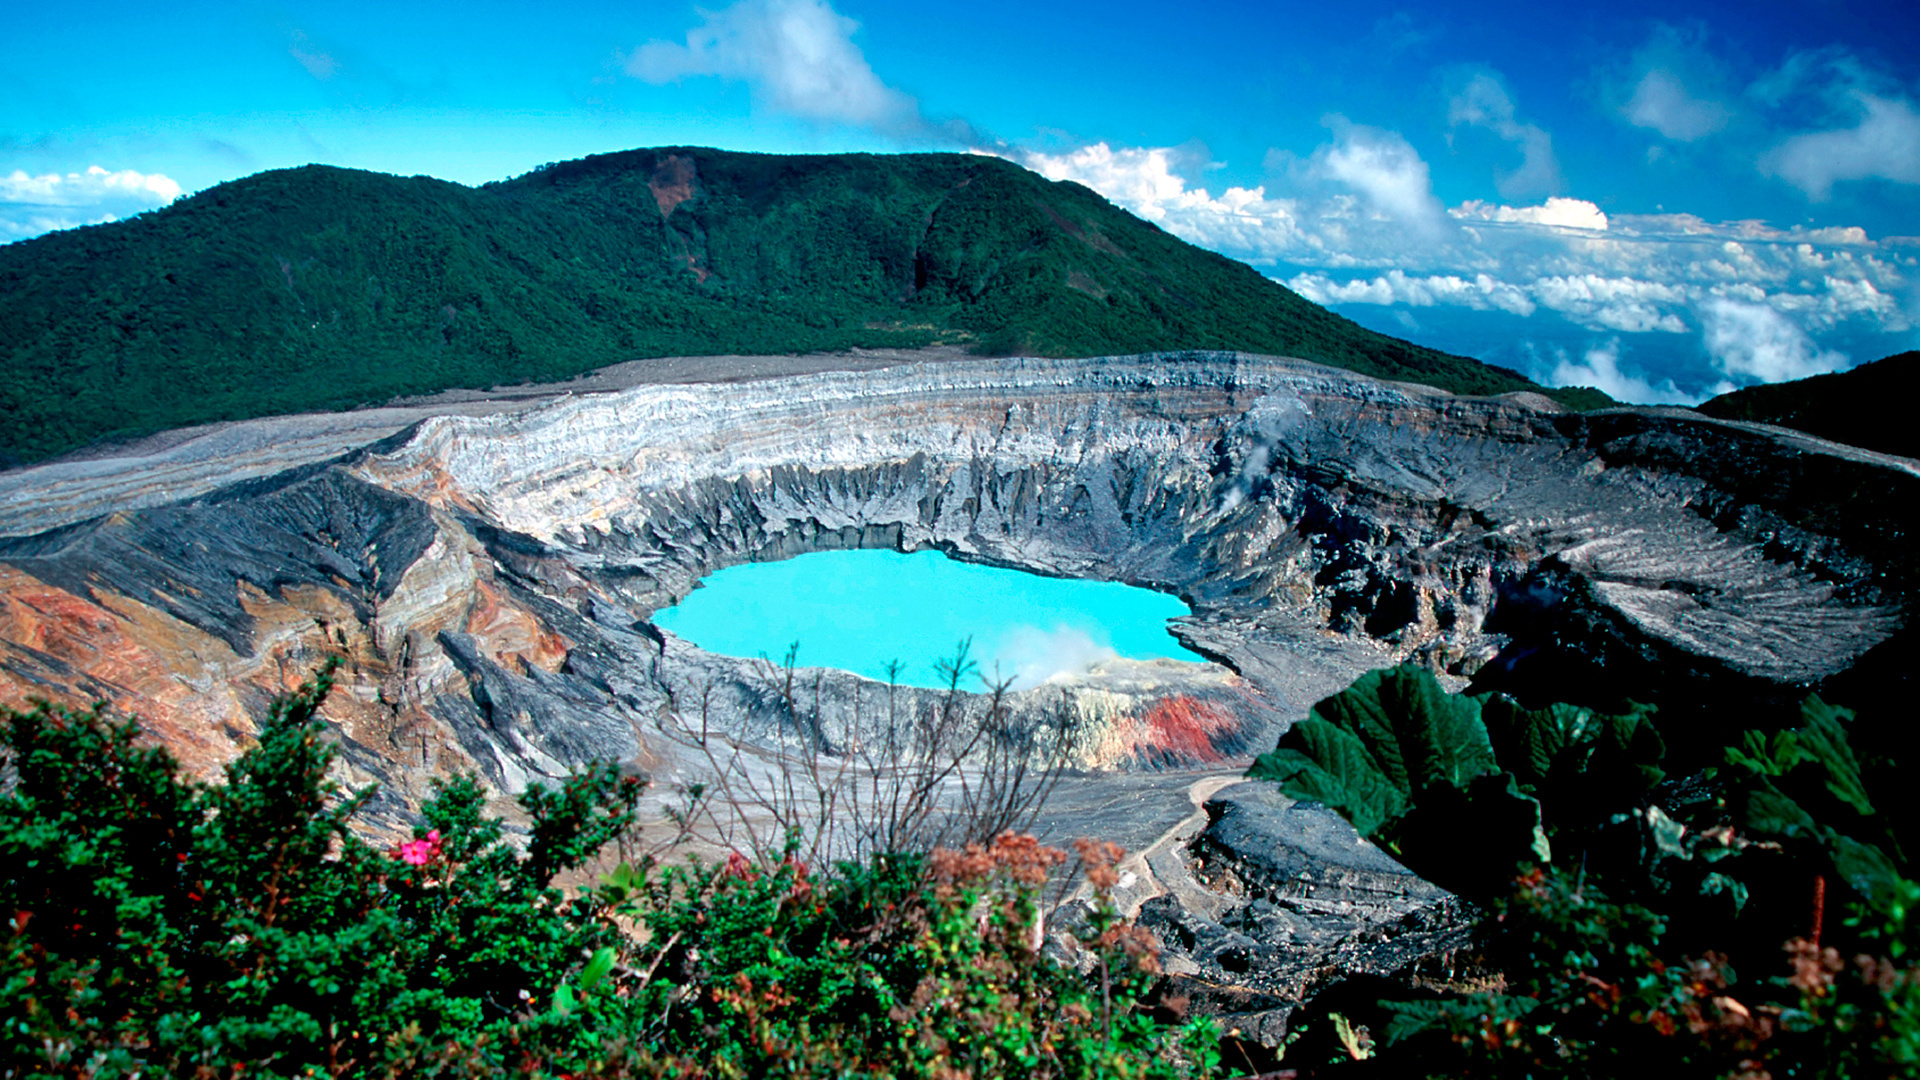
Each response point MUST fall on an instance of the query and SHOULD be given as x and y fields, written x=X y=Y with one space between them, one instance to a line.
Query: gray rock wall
x=490 y=581
x=491 y=577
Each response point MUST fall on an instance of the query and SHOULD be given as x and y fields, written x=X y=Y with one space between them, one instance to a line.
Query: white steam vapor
x=1032 y=655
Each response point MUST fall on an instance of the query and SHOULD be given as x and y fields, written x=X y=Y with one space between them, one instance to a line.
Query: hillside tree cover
x=327 y=288
x=1865 y=406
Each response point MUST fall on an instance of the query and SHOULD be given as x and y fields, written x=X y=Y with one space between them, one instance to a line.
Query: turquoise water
x=856 y=610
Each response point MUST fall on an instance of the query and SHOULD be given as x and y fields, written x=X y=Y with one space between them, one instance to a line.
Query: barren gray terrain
x=488 y=565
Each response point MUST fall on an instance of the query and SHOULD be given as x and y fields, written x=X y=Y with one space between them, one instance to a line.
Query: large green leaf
x=1825 y=737
x=1576 y=757
x=1411 y=766
x=1417 y=733
x=1868 y=869
x=1327 y=764
x=1820 y=742
x=1469 y=839
x=1805 y=783
x=1409 y=1019
x=1765 y=809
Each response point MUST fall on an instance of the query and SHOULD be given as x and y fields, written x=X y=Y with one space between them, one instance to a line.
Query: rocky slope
x=489 y=578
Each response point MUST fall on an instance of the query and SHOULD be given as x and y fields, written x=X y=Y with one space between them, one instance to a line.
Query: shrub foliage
x=1752 y=919
x=166 y=928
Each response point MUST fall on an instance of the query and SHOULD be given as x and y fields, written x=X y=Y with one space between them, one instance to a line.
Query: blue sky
x=1664 y=200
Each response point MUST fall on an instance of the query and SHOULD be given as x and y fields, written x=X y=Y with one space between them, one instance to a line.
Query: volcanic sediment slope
x=490 y=578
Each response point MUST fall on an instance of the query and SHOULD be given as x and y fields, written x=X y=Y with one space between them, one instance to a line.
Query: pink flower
x=420 y=852
x=738 y=867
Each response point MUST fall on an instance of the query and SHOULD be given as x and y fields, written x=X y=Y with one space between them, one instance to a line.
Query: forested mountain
x=320 y=287
x=1866 y=406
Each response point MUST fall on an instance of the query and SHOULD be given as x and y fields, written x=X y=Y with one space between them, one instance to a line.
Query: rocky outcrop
x=1275 y=899
x=489 y=580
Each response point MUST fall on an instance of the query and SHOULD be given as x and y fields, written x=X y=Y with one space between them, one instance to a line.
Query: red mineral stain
x=1183 y=727
x=513 y=635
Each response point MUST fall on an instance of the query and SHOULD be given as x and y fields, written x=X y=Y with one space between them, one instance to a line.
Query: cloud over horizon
x=1751 y=295
x=30 y=205
x=1760 y=344
x=1599 y=367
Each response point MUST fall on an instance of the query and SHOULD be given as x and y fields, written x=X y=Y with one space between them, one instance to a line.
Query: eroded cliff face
x=489 y=579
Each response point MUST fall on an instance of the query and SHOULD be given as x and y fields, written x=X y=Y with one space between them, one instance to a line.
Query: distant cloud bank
x=1364 y=228
x=30 y=205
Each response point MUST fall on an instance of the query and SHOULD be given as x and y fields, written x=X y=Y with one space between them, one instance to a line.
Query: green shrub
x=907 y=966
x=163 y=927
x=167 y=927
x=1638 y=926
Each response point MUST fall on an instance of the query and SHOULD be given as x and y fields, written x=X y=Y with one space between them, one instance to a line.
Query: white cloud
x=30 y=205
x=1480 y=292
x=1600 y=368
x=1757 y=343
x=1625 y=304
x=319 y=63
x=90 y=188
x=1240 y=221
x=1385 y=170
x=797 y=55
x=1662 y=103
x=1677 y=86
x=1594 y=301
x=1369 y=201
x=1484 y=103
x=1366 y=199
x=1558 y=212
x=1885 y=143
x=1345 y=235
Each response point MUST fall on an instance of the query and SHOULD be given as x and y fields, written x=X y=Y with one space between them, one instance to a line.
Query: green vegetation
x=1754 y=918
x=1865 y=406
x=324 y=288
x=1633 y=922
x=1581 y=398
x=158 y=927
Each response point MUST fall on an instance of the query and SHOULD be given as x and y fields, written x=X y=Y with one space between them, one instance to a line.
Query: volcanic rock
x=489 y=581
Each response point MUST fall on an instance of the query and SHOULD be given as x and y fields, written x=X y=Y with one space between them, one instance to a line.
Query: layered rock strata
x=489 y=579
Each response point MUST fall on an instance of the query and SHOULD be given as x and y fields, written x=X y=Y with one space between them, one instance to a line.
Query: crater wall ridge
x=490 y=578
x=489 y=581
